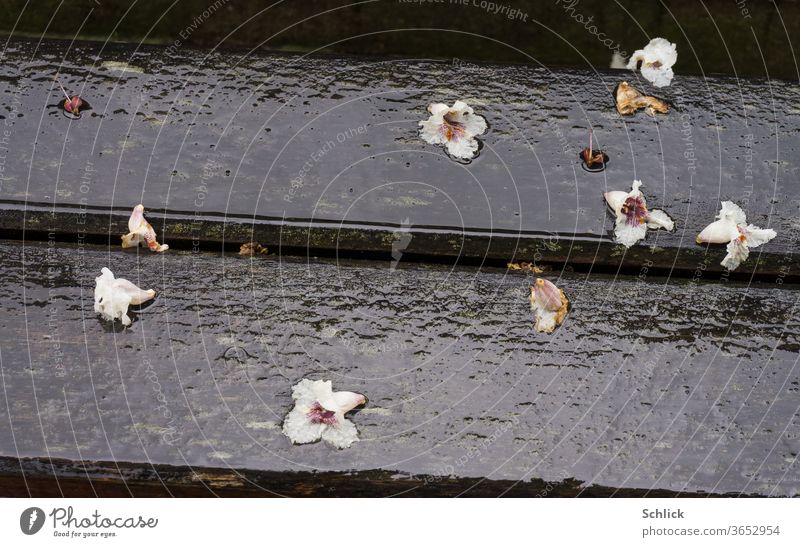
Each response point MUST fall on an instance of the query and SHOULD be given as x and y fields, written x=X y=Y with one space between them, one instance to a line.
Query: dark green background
x=714 y=36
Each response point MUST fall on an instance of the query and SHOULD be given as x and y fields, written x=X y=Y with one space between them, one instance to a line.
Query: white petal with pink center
x=731 y=227
x=455 y=127
x=633 y=218
x=318 y=413
x=113 y=296
x=657 y=58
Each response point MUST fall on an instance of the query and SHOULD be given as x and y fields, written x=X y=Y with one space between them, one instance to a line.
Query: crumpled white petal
x=463 y=149
x=731 y=211
x=659 y=77
x=618 y=61
x=113 y=296
x=720 y=231
x=341 y=435
x=731 y=227
x=549 y=305
x=455 y=127
x=659 y=219
x=758 y=236
x=657 y=58
x=632 y=218
x=319 y=412
x=298 y=428
x=738 y=252
x=628 y=235
x=140 y=232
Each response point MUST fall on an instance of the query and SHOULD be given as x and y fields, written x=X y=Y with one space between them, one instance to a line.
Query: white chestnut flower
x=731 y=227
x=549 y=304
x=113 y=296
x=318 y=413
x=455 y=127
x=633 y=217
x=141 y=232
x=657 y=59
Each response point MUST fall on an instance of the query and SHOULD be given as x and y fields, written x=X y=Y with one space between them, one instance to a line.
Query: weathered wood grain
x=55 y=478
x=323 y=154
x=650 y=384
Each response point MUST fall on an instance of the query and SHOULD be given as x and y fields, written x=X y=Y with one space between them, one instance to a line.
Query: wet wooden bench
x=387 y=275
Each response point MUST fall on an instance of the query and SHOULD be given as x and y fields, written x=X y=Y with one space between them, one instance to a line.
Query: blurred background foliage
x=741 y=37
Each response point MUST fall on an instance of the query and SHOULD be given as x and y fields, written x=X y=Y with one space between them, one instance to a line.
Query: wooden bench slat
x=222 y=147
x=649 y=384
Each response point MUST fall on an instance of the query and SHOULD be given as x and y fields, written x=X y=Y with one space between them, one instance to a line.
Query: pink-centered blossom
x=455 y=127
x=318 y=413
x=633 y=218
x=731 y=227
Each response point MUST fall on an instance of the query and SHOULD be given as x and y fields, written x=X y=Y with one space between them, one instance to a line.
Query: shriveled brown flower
x=630 y=99
x=252 y=249
x=593 y=160
x=72 y=105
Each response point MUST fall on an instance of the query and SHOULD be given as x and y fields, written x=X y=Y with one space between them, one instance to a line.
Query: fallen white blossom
x=632 y=216
x=318 y=413
x=657 y=58
x=455 y=127
x=731 y=227
x=113 y=296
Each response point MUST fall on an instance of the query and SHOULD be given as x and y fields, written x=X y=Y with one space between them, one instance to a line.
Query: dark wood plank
x=55 y=478
x=650 y=384
x=323 y=153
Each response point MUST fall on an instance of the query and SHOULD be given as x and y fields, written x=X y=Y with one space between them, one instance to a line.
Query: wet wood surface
x=651 y=385
x=315 y=154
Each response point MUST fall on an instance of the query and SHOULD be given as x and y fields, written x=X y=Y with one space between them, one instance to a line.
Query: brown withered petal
x=526 y=266
x=592 y=157
x=252 y=249
x=593 y=160
x=629 y=100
